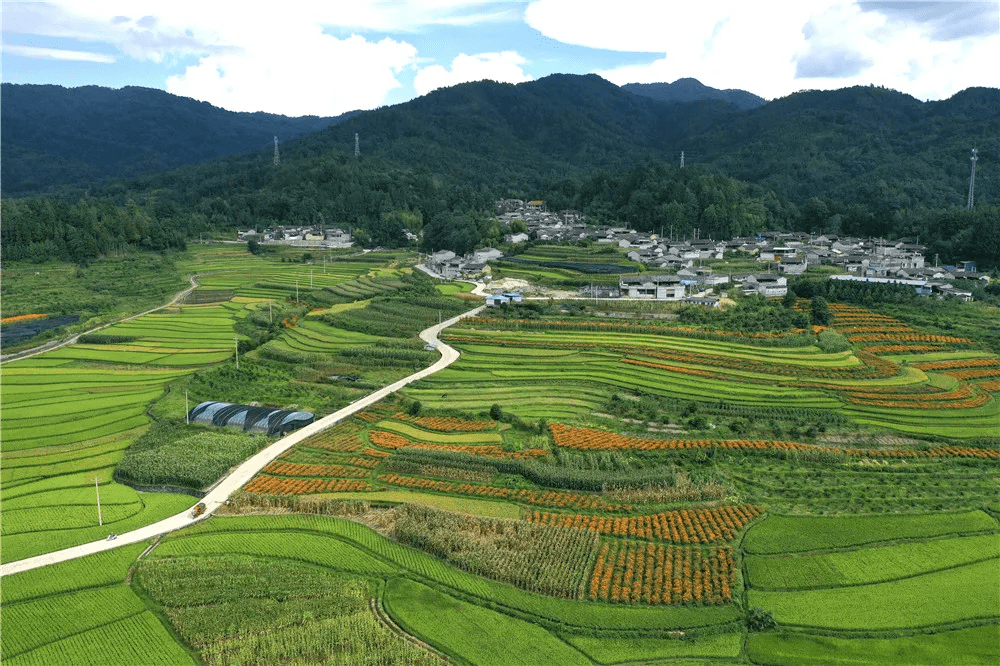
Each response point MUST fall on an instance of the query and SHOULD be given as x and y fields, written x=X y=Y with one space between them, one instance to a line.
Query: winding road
x=246 y=471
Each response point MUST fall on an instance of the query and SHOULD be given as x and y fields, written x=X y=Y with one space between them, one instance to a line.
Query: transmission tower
x=357 y=145
x=682 y=159
x=277 y=160
x=972 y=178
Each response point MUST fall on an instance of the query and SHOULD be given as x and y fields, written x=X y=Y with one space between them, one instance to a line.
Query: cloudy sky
x=328 y=57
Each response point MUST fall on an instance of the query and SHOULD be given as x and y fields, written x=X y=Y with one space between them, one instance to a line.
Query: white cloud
x=772 y=48
x=56 y=54
x=249 y=59
x=504 y=67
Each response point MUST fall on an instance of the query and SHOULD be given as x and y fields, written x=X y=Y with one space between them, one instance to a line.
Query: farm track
x=249 y=468
x=50 y=346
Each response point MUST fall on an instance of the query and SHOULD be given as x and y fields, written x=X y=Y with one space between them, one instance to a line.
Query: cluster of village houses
x=673 y=270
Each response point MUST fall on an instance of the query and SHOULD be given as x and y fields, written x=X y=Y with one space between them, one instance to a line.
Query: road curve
x=246 y=471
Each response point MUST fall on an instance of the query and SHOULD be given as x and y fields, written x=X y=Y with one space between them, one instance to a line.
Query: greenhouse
x=250 y=419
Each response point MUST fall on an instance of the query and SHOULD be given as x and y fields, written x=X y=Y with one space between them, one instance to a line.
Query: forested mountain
x=861 y=160
x=689 y=90
x=56 y=136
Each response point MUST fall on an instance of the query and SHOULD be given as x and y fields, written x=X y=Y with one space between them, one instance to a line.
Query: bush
x=496 y=412
x=759 y=619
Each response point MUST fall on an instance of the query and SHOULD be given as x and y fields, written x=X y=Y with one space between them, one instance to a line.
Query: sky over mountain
x=325 y=58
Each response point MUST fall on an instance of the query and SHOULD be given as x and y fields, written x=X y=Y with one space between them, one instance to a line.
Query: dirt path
x=57 y=344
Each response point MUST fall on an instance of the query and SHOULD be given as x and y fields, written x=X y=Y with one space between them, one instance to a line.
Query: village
x=673 y=267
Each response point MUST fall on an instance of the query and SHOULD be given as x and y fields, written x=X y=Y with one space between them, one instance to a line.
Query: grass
x=969 y=592
x=139 y=639
x=100 y=569
x=789 y=534
x=422 y=435
x=313 y=548
x=962 y=647
x=472 y=633
x=474 y=507
x=622 y=650
x=869 y=565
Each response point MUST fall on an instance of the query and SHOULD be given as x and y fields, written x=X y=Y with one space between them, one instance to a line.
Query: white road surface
x=246 y=471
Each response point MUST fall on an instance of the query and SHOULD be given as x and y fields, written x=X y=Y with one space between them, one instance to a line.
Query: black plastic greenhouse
x=250 y=419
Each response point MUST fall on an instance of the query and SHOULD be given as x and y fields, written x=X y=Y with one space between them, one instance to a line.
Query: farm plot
x=79 y=611
x=869 y=565
x=67 y=424
x=790 y=534
x=965 y=593
x=237 y=609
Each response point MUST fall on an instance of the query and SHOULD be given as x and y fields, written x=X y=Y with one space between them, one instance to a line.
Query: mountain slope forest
x=54 y=135
x=863 y=160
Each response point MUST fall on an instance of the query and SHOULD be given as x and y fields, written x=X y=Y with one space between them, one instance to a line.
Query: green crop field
x=473 y=633
x=789 y=534
x=962 y=647
x=968 y=592
x=869 y=565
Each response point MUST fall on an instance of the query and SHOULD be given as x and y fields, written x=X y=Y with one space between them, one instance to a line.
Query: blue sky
x=325 y=58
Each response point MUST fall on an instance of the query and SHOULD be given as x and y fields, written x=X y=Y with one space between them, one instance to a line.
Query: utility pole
x=277 y=160
x=972 y=178
x=236 y=343
x=296 y=291
x=97 y=487
x=310 y=278
x=269 y=320
x=187 y=414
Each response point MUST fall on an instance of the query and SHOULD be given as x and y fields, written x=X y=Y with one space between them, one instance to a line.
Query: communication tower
x=972 y=178
x=682 y=159
x=277 y=160
x=357 y=145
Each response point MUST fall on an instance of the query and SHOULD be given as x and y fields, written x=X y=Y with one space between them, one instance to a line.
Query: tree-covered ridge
x=55 y=136
x=688 y=89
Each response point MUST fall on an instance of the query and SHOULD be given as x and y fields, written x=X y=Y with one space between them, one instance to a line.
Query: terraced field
x=70 y=413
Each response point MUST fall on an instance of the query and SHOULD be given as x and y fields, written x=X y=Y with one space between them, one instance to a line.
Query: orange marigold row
x=627 y=572
x=297 y=469
x=24 y=317
x=446 y=424
x=684 y=526
x=589 y=439
x=270 y=485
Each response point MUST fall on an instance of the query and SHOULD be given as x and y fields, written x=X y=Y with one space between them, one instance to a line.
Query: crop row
x=553 y=498
x=296 y=469
x=973 y=373
x=917 y=337
x=916 y=403
x=270 y=485
x=24 y=317
x=387 y=440
x=870 y=366
x=588 y=439
x=901 y=349
x=958 y=363
x=446 y=424
x=604 y=326
x=342 y=437
x=487 y=450
x=627 y=572
x=684 y=526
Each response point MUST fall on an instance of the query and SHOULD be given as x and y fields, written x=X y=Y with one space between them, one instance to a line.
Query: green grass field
x=473 y=633
x=790 y=534
x=962 y=647
x=969 y=592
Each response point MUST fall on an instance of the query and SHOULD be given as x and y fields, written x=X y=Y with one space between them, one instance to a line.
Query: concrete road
x=246 y=471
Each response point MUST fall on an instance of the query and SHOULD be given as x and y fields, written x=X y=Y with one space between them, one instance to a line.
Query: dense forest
x=56 y=136
x=862 y=161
